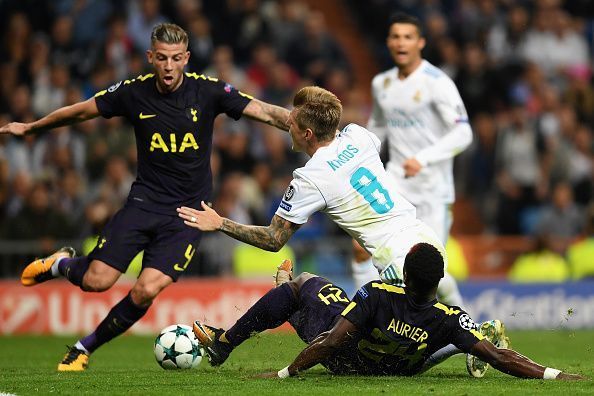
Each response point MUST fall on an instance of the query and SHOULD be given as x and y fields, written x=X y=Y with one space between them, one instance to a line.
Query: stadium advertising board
x=59 y=308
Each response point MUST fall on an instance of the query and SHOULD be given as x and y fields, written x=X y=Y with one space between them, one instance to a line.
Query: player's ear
x=149 y=56
x=422 y=43
x=187 y=57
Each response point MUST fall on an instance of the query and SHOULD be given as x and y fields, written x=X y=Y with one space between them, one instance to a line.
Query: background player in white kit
x=418 y=110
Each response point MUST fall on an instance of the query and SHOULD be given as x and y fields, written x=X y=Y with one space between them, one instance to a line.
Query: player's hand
x=570 y=377
x=15 y=128
x=411 y=167
x=204 y=220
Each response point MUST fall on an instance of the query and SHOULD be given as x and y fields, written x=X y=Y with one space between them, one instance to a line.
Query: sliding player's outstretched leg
x=41 y=270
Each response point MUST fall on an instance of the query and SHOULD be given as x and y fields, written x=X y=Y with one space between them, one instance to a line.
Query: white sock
x=439 y=356
x=447 y=291
x=363 y=272
x=81 y=347
x=55 y=271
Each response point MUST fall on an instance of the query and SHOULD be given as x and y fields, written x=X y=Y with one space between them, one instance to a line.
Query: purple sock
x=121 y=317
x=271 y=311
x=74 y=268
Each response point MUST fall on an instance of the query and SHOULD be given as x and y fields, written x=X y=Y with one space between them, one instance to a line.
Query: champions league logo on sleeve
x=289 y=193
x=114 y=87
x=466 y=322
x=228 y=88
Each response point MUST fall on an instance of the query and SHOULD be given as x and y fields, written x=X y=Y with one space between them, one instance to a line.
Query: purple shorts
x=320 y=305
x=169 y=245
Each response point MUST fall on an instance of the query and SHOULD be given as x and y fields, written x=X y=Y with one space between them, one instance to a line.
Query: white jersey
x=424 y=118
x=347 y=181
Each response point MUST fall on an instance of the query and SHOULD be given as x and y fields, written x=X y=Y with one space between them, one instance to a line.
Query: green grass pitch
x=127 y=366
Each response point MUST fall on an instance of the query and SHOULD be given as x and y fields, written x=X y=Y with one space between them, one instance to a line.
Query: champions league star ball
x=176 y=347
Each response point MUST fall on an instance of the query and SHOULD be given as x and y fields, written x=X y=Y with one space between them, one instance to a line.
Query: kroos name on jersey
x=344 y=157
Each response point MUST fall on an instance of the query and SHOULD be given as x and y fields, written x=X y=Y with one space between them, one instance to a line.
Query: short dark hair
x=424 y=266
x=401 y=17
x=169 y=33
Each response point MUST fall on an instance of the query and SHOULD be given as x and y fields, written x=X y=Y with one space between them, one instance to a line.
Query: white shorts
x=438 y=216
x=399 y=246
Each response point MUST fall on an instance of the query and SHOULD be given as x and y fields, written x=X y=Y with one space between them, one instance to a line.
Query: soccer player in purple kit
x=384 y=330
x=172 y=112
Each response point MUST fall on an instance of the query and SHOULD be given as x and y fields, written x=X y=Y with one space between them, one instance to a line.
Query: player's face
x=169 y=61
x=405 y=44
x=297 y=134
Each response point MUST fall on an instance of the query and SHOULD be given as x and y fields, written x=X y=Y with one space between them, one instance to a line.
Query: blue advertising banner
x=531 y=306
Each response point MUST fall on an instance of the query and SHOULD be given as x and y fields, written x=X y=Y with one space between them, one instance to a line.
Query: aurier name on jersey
x=401 y=335
x=173 y=136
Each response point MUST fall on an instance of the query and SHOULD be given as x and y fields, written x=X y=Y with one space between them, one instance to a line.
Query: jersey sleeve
x=301 y=199
x=463 y=332
x=363 y=306
x=377 y=122
x=229 y=100
x=113 y=101
x=448 y=104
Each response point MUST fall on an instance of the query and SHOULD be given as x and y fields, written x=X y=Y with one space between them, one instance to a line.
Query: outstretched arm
x=513 y=363
x=67 y=115
x=271 y=238
x=320 y=349
x=265 y=112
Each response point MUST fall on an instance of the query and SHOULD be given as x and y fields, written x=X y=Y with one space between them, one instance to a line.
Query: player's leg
x=122 y=238
x=270 y=311
x=438 y=216
x=362 y=266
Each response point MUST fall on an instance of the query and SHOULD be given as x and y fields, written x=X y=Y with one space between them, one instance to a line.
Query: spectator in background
x=317 y=52
x=222 y=66
x=118 y=47
x=580 y=253
x=505 y=38
x=520 y=182
x=581 y=166
x=480 y=164
x=39 y=220
x=541 y=265
x=142 y=16
x=475 y=80
x=201 y=45
x=562 y=218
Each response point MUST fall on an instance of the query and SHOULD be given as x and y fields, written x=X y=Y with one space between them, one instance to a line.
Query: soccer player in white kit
x=345 y=179
x=418 y=110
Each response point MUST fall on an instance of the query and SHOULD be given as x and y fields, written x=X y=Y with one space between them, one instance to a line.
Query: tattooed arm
x=268 y=113
x=271 y=238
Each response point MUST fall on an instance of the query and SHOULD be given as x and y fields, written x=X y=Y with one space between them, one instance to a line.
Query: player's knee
x=143 y=293
x=299 y=281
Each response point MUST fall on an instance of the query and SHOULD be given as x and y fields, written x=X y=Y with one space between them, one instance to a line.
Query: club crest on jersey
x=387 y=82
x=417 y=97
x=193 y=113
x=466 y=322
x=114 y=87
x=289 y=193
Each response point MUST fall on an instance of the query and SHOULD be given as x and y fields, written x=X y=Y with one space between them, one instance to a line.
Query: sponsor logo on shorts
x=285 y=206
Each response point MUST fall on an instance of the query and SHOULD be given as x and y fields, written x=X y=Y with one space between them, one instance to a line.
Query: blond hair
x=168 y=33
x=319 y=110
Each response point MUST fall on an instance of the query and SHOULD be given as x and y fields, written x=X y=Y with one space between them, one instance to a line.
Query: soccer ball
x=176 y=347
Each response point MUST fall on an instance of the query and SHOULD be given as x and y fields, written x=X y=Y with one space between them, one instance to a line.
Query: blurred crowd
x=523 y=68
